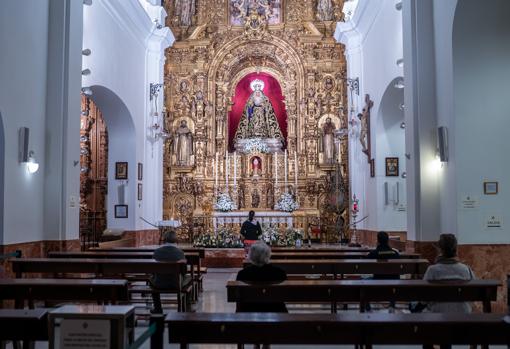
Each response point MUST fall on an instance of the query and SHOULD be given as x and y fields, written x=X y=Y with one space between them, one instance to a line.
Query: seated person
x=169 y=252
x=260 y=271
x=448 y=267
x=383 y=251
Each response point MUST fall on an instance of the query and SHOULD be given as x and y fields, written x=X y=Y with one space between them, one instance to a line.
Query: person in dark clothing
x=250 y=231
x=261 y=271
x=169 y=252
x=383 y=251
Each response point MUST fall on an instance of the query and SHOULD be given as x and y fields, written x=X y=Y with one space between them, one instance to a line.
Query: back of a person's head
x=170 y=237
x=251 y=215
x=383 y=238
x=448 y=245
x=259 y=254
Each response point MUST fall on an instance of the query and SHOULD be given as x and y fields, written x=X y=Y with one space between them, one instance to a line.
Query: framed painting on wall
x=391 y=167
x=139 y=192
x=121 y=211
x=490 y=188
x=121 y=170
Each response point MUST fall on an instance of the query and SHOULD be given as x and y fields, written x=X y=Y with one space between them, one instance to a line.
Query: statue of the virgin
x=259 y=119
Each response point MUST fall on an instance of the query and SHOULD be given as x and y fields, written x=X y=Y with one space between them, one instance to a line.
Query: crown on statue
x=257 y=85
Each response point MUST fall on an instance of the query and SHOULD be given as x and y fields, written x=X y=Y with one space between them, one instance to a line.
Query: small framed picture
x=121 y=170
x=372 y=168
x=139 y=192
x=140 y=171
x=391 y=167
x=121 y=211
x=490 y=188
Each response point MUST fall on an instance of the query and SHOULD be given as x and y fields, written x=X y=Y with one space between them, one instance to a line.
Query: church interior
x=355 y=147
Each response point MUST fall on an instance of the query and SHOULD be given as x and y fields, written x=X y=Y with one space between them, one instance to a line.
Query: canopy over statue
x=258 y=119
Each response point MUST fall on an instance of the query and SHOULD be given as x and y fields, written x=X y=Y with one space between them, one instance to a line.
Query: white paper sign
x=469 y=202
x=493 y=222
x=84 y=334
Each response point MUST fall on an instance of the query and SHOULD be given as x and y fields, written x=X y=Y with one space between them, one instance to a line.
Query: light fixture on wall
x=86 y=52
x=402 y=106
x=442 y=139
x=156 y=131
x=403 y=125
x=85 y=72
x=26 y=156
x=87 y=2
x=87 y=91
x=398 y=5
x=399 y=83
x=400 y=62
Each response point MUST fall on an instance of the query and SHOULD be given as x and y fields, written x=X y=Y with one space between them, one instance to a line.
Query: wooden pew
x=150 y=248
x=23 y=325
x=335 y=329
x=331 y=255
x=364 y=291
x=322 y=248
x=193 y=259
x=340 y=267
x=102 y=267
x=108 y=291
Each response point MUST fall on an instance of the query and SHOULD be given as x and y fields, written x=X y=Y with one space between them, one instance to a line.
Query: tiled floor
x=214 y=299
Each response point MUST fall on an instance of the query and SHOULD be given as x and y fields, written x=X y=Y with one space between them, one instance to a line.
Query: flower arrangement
x=224 y=238
x=286 y=203
x=254 y=145
x=224 y=203
x=270 y=234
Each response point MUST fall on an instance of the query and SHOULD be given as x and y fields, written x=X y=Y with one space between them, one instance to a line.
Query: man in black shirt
x=260 y=271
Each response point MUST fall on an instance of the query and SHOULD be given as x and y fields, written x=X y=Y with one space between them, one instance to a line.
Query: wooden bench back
x=332 y=255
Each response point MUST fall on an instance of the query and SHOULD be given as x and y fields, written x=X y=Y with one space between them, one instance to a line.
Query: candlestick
x=276 y=170
x=285 y=167
x=295 y=173
x=235 y=170
x=216 y=174
x=226 y=172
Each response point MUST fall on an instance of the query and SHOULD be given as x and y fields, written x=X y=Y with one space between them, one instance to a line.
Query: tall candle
x=216 y=172
x=295 y=172
x=286 y=169
x=276 y=169
x=226 y=171
x=235 y=170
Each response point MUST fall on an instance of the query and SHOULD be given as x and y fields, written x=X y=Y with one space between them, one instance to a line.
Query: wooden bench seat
x=27 y=325
x=331 y=255
x=336 y=329
x=340 y=267
x=102 y=267
x=364 y=291
x=104 y=290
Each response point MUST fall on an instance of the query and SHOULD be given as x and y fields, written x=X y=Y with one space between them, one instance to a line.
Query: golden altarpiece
x=263 y=46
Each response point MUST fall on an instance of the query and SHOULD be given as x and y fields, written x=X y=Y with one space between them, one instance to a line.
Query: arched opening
x=2 y=166
x=243 y=92
x=390 y=159
x=93 y=173
x=122 y=166
x=481 y=81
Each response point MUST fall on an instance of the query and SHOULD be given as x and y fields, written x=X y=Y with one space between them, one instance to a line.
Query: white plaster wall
x=481 y=65
x=121 y=36
x=22 y=104
x=373 y=39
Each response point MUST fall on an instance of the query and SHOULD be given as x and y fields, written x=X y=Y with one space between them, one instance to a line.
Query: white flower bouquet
x=224 y=203
x=224 y=238
x=286 y=203
x=270 y=234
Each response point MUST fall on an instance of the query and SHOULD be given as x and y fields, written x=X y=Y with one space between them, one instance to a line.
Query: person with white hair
x=261 y=271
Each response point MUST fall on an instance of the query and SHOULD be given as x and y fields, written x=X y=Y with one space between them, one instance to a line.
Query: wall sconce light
x=399 y=83
x=87 y=91
x=25 y=156
x=442 y=138
x=398 y=6
x=401 y=106
x=400 y=62
x=86 y=52
x=156 y=129
x=85 y=72
x=403 y=125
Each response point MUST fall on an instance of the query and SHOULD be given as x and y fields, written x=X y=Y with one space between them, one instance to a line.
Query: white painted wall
x=37 y=93
x=481 y=81
x=127 y=54
x=373 y=38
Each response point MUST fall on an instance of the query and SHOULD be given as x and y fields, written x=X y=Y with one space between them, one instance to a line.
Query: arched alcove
x=390 y=143
x=2 y=166
x=481 y=81
x=121 y=148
